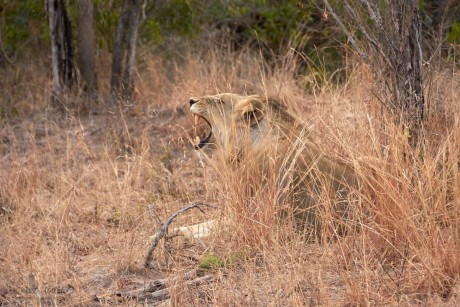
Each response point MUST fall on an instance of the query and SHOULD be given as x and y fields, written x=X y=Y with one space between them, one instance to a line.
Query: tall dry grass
x=80 y=197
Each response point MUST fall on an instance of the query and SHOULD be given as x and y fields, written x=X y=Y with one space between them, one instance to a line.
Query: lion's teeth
x=197 y=141
x=196 y=118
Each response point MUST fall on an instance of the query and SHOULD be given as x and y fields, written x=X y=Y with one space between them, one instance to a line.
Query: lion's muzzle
x=199 y=142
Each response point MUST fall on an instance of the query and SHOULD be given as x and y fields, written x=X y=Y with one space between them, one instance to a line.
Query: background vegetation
x=81 y=196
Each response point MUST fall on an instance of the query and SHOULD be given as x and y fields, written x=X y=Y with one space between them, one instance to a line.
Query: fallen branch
x=164 y=294
x=155 y=285
x=157 y=290
x=164 y=228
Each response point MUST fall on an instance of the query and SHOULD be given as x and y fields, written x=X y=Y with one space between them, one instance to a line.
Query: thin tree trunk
x=86 y=50
x=416 y=57
x=410 y=97
x=118 y=50
x=65 y=41
x=56 y=86
x=61 y=49
x=124 y=50
x=128 y=84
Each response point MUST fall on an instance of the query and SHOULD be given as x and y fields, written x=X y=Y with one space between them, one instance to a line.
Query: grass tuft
x=80 y=198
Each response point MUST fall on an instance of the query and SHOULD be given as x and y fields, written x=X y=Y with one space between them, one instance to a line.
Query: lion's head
x=239 y=121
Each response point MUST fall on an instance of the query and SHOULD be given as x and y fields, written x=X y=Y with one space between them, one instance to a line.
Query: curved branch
x=164 y=228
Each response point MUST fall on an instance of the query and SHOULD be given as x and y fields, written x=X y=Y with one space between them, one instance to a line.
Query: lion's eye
x=218 y=100
x=252 y=117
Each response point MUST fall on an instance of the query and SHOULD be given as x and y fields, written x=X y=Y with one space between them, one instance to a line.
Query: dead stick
x=164 y=293
x=156 y=285
x=161 y=293
x=160 y=234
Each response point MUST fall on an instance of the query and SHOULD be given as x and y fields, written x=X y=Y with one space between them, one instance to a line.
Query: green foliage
x=23 y=22
x=422 y=5
x=279 y=21
x=216 y=262
x=282 y=22
x=150 y=32
x=106 y=14
x=211 y=262
x=179 y=17
x=453 y=36
x=272 y=25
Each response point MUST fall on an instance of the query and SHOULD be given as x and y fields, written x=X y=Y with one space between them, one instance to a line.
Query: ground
x=88 y=194
x=81 y=198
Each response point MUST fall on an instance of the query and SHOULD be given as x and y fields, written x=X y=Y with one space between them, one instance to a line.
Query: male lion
x=257 y=132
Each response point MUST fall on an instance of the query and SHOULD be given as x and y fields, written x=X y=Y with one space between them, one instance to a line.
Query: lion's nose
x=193 y=101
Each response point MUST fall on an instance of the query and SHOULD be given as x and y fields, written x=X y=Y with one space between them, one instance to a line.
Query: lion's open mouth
x=200 y=142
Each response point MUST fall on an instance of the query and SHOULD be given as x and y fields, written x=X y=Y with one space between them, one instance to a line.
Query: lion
x=258 y=132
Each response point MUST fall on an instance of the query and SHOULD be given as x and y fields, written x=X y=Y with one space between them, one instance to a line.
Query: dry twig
x=390 y=46
x=157 y=289
x=164 y=228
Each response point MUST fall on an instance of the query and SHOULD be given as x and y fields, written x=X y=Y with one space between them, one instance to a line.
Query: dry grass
x=80 y=197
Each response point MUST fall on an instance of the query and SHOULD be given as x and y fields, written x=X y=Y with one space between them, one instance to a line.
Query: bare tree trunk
x=124 y=50
x=56 y=87
x=412 y=75
x=117 y=53
x=61 y=49
x=135 y=18
x=86 y=50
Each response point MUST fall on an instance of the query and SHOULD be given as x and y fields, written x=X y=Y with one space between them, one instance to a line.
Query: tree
x=121 y=83
x=61 y=48
x=387 y=35
x=86 y=50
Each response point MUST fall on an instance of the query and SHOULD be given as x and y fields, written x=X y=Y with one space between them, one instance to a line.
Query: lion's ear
x=249 y=110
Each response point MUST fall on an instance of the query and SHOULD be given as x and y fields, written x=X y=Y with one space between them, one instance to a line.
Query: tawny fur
x=258 y=133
